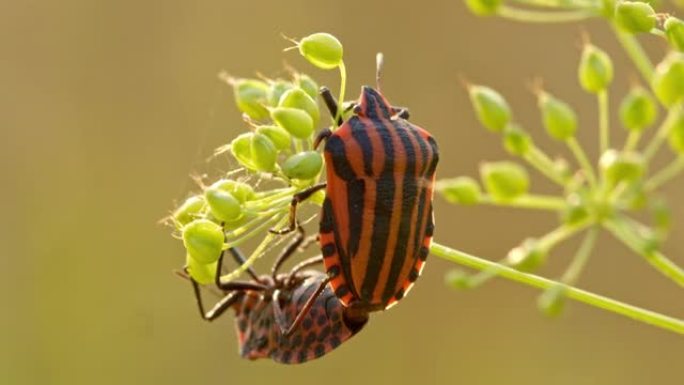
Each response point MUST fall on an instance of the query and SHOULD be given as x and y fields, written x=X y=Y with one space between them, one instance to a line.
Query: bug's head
x=373 y=105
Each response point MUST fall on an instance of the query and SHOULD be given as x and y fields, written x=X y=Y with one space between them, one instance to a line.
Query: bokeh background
x=106 y=109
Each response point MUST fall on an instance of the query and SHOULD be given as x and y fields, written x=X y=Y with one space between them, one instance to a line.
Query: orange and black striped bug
x=290 y=318
x=377 y=222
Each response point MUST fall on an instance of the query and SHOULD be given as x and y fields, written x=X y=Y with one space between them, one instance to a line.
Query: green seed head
x=483 y=7
x=202 y=273
x=263 y=152
x=552 y=301
x=559 y=118
x=638 y=109
x=491 y=108
x=528 y=256
x=307 y=84
x=297 y=122
x=669 y=78
x=203 y=239
x=517 y=141
x=188 y=211
x=241 y=191
x=298 y=98
x=251 y=96
x=277 y=90
x=635 y=16
x=461 y=190
x=504 y=181
x=674 y=28
x=303 y=166
x=240 y=147
x=322 y=50
x=621 y=166
x=595 y=69
x=279 y=136
x=676 y=134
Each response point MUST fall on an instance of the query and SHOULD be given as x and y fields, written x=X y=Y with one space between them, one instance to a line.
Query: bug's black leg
x=303 y=265
x=288 y=251
x=331 y=103
x=322 y=135
x=296 y=200
x=240 y=259
x=401 y=112
x=280 y=317
x=219 y=308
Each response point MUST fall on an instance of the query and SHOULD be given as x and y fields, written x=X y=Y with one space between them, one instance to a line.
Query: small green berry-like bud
x=676 y=133
x=250 y=96
x=240 y=147
x=322 y=50
x=189 y=210
x=662 y=215
x=203 y=239
x=638 y=109
x=224 y=206
x=595 y=69
x=552 y=301
x=635 y=16
x=674 y=28
x=621 y=166
x=298 y=98
x=575 y=212
x=304 y=165
x=504 y=181
x=202 y=273
x=263 y=152
x=461 y=190
x=297 y=122
x=517 y=141
x=559 y=118
x=668 y=79
x=279 y=136
x=491 y=108
x=307 y=84
x=528 y=256
x=277 y=90
x=483 y=7
x=457 y=279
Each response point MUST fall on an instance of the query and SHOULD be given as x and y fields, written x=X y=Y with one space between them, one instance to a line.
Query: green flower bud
x=674 y=28
x=278 y=88
x=263 y=152
x=304 y=165
x=483 y=7
x=608 y=8
x=202 y=273
x=203 y=239
x=638 y=109
x=223 y=205
x=621 y=166
x=491 y=108
x=240 y=147
x=241 y=191
x=457 y=279
x=668 y=79
x=595 y=69
x=635 y=16
x=279 y=136
x=462 y=190
x=559 y=118
x=189 y=210
x=517 y=141
x=297 y=122
x=576 y=211
x=662 y=215
x=322 y=50
x=298 y=98
x=552 y=301
x=307 y=84
x=676 y=133
x=528 y=256
x=250 y=96
x=504 y=181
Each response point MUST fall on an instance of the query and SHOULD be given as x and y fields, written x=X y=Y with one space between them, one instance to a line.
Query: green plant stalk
x=624 y=232
x=529 y=201
x=632 y=141
x=582 y=159
x=636 y=53
x=666 y=174
x=572 y=4
x=604 y=120
x=660 y=136
x=525 y=15
x=581 y=257
x=562 y=233
x=540 y=161
x=589 y=298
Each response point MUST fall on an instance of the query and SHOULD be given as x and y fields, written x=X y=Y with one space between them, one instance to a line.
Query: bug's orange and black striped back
x=377 y=222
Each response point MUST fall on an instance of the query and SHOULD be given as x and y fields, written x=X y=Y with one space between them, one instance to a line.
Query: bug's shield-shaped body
x=323 y=328
x=377 y=221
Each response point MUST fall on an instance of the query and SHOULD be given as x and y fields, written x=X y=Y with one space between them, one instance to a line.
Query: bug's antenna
x=379 y=61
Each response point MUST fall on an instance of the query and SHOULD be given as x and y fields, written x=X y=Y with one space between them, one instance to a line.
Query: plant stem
x=664 y=129
x=537 y=159
x=581 y=257
x=525 y=15
x=561 y=233
x=632 y=140
x=604 y=120
x=343 y=86
x=666 y=174
x=530 y=201
x=589 y=298
x=574 y=4
x=636 y=53
x=582 y=159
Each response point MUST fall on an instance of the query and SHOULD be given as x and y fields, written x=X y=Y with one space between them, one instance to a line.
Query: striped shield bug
x=376 y=223
x=290 y=318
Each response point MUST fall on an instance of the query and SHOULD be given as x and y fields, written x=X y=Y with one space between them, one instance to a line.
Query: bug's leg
x=288 y=251
x=280 y=317
x=401 y=112
x=240 y=259
x=331 y=103
x=296 y=200
x=303 y=265
x=234 y=285
x=322 y=135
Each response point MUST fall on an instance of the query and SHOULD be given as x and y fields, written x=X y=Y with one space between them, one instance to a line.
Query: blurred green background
x=108 y=106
